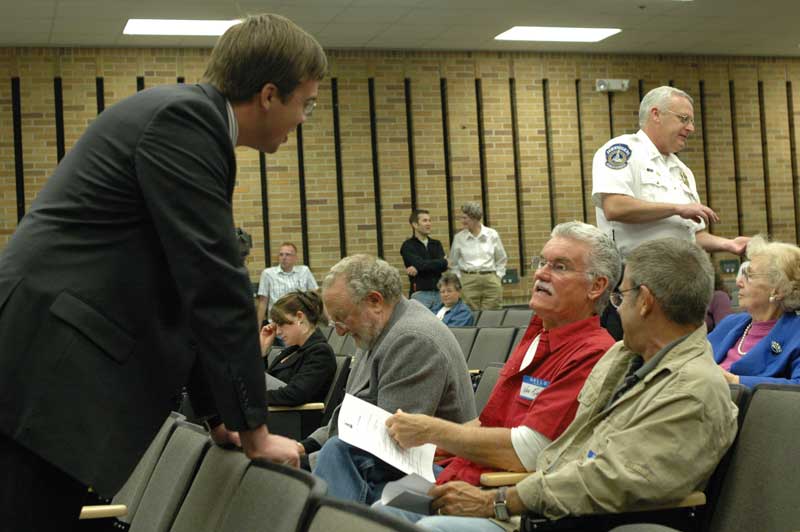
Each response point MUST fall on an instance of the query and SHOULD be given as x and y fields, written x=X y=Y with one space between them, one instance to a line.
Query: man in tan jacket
x=655 y=416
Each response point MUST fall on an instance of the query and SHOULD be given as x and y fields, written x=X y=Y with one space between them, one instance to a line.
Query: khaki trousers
x=482 y=291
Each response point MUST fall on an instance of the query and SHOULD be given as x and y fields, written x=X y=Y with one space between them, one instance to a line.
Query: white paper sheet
x=363 y=425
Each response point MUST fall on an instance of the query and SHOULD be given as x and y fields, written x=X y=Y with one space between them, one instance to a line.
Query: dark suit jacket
x=429 y=262
x=124 y=273
x=307 y=371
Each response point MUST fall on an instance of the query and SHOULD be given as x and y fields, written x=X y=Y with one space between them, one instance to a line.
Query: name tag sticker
x=532 y=387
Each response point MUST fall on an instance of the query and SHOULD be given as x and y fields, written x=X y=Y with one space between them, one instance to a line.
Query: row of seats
x=183 y=483
x=511 y=317
x=481 y=345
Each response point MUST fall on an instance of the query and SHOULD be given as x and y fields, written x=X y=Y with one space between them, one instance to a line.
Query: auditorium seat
x=211 y=491
x=333 y=515
x=517 y=317
x=492 y=344
x=171 y=478
x=271 y=498
x=490 y=318
x=465 y=337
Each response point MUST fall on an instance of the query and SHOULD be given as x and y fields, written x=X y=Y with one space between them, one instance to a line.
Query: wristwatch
x=500 y=507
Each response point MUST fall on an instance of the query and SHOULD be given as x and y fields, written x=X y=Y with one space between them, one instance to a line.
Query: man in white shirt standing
x=642 y=191
x=279 y=280
x=477 y=256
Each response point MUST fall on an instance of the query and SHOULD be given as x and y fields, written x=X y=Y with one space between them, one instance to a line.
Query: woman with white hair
x=479 y=259
x=763 y=343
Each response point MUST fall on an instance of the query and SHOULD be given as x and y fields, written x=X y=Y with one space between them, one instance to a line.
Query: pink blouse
x=758 y=331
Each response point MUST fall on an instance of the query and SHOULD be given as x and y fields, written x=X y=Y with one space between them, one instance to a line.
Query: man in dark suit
x=124 y=281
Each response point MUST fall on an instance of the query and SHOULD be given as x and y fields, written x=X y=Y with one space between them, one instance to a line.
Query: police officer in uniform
x=642 y=191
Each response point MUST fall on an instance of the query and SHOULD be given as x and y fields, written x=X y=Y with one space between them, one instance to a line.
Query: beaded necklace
x=741 y=340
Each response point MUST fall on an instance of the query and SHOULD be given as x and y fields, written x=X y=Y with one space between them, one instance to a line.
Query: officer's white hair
x=658 y=98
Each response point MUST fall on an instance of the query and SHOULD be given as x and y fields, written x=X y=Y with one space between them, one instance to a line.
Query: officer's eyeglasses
x=685 y=119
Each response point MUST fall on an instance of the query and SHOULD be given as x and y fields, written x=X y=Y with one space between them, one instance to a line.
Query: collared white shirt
x=485 y=252
x=276 y=283
x=646 y=175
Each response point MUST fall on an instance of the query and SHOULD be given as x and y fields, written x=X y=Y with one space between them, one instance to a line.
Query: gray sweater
x=415 y=364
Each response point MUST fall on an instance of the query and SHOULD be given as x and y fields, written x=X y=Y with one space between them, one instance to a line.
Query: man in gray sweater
x=407 y=359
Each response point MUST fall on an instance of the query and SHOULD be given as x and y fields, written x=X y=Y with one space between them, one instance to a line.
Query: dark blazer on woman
x=123 y=280
x=307 y=371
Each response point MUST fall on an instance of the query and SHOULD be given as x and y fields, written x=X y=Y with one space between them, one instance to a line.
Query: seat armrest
x=103 y=510
x=510 y=478
x=696 y=498
x=298 y=408
x=503 y=478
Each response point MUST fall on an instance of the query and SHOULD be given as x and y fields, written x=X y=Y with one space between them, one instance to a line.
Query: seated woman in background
x=303 y=371
x=720 y=305
x=763 y=344
x=453 y=312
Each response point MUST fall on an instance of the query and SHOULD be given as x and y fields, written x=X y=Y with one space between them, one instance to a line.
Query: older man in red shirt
x=535 y=398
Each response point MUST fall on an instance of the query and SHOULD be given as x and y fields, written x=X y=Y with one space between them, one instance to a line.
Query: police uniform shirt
x=633 y=166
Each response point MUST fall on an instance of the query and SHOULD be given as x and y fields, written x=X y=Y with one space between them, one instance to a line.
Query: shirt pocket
x=653 y=186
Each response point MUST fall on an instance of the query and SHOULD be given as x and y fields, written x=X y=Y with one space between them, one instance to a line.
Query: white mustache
x=543 y=285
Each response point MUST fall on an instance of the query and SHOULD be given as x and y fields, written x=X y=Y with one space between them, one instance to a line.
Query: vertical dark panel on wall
x=337 y=151
x=737 y=178
x=376 y=171
x=139 y=83
x=548 y=135
x=100 y=93
x=641 y=90
x=412 y=164
x=793 y=150
x=19 y=168
x=58 y=98
x=512 y=91
x=262 y=166
x=611 y=114
x=671 y=83
x=704 y=136
x=181 y=79
x=580 y=148
x=764 y=154
x=482 y=151
x=301 y=174
x=448 y=170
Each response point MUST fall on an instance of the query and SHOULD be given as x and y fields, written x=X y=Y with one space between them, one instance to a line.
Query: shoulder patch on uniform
x=617 y=156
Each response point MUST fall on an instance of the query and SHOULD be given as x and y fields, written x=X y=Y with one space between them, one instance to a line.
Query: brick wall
x=746 y=130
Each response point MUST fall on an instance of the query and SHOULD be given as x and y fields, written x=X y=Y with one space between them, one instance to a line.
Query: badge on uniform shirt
x=685 y=179
x=532 y=387
x=617 y=156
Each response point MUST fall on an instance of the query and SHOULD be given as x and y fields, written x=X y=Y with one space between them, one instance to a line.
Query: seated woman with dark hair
x=452 y=311
x=763 y=344
x=301 y=373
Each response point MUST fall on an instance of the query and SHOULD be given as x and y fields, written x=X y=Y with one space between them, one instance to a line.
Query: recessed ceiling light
x=554 y=34
x=151 y=26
